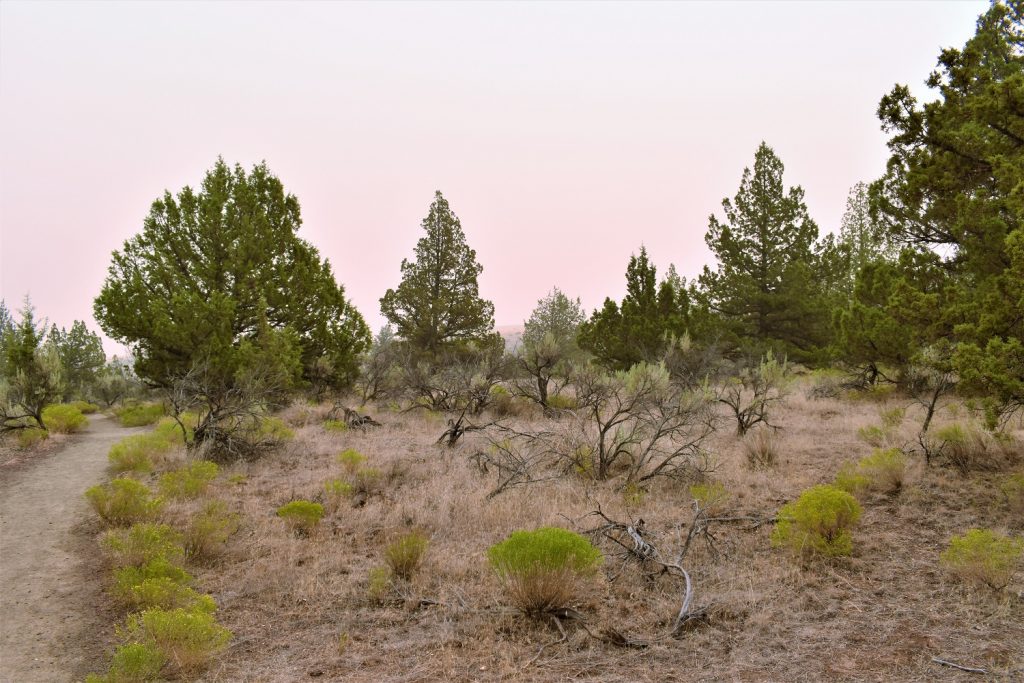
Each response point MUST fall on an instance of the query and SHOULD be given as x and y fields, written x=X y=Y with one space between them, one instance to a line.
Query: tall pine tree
x=762 y=286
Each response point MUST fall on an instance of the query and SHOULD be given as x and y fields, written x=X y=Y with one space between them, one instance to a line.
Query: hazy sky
x=563 y=135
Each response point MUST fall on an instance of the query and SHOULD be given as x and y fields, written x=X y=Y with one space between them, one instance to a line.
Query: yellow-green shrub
x=541 y=569
x=85 y=408
x=140 y=415
x=301 y=515
x=967 y=447
x=873 y=435
x=351 y=459
x=335 y=426
x=208 y=530
x=157 y=568
x=133 y=663
x=561 y=402
x=123 y=501
x=142 y=543
x=27 y=438
x=140 y=452
x=189 y=481
x=1013 y=489
x=711 y=496
x=64 y=418
x=378 y=586
x=405 y=554
x=984 y=556
x=335 y=491
x=884 y=470
x=818 y=522
x=188 y=639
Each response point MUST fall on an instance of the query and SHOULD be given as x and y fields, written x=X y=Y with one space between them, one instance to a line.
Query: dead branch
x=565 y=637
x=961 y=667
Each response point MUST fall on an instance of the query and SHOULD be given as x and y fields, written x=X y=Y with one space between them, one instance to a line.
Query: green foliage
x=140 y=414
x=301 y=515
x=85 y=407
x=141 y=543
x=64 y=419
x=216 y=268
x=379 y=585
x=133 y=663
x=123 y=501
x=405 y=554
x=818 y=523
x=561 y=402
x=336 y=490
x=31 y=375
x=893 y=418
x=81 y=357
x=338 y=426
x=208 y=530
x=166 y=593
x=187 y=638
x=966 y=447
x=873 y=435
x=125 y=578
x=27 y=438
x=437 y=302
x=351 y=459
x=1012 y=487
x=952 y=191
x=189 y=481
x=139 y=452
x=984 y=556
x=640 y=329
x=712 y=496
x=884 y=470
x=541 y=568
x=764 y=285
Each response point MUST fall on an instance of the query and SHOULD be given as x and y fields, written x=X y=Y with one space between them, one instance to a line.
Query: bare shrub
x=753 y=391
x=760 y=447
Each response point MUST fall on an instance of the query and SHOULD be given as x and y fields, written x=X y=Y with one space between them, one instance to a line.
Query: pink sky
x=563 y=135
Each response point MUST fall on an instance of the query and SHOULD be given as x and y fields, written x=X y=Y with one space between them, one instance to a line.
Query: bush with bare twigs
x=752 y=392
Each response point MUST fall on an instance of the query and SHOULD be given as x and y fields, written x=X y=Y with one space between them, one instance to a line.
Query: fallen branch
x=961 y=667
x=565 y=637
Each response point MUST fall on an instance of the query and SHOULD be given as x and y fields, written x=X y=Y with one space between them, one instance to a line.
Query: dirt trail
x=52 y=625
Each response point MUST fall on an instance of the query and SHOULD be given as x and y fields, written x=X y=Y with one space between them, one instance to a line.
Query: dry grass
x=300 y=607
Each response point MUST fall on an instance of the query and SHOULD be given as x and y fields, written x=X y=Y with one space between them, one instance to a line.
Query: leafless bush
x=460 y=380
x=753 y=391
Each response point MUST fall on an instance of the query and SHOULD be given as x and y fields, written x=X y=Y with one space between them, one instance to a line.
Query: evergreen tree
x=953 y=187
x=650 y=315
x=438 y=304
x=763 y=285
x=81 y=355
x=210 y=267
x=549 y=346
x=31 y=374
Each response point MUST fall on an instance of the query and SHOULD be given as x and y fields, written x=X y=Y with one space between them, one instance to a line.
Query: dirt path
x=52 y=621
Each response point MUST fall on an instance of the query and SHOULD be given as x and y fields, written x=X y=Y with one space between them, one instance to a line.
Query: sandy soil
x=52 y=627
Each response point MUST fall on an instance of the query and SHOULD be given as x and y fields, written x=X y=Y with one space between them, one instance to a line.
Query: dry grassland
x=300 y=607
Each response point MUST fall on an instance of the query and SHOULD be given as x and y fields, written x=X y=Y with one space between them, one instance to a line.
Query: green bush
x=366 y=480
x=966 y=447
x=561 y=402
x=405 y=554
x=336 y=490
x=140 y=415
x=335 y=426
x=64 y=418
x=84 y=407
x=123 y=501
x=125 y=578
x=140 y=452
x=983 y=556
x=884 y=470
x=208 y=530
x=378 y=586
x=818 y=522
x=274 y=429
x=873 y=435
x=165 y=593
x=141 y=543
x=351 y=459
x=892 y=418
x=301 y=515
x=133 y=663
x=711 y=496
x=541 y=569
x=27 y=438
x=189 y=481
x=188 y=639
x=1013 y=489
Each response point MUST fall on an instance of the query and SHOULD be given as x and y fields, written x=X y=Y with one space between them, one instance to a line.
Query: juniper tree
x=213 y=267
x=81 y=356
x=438 y=302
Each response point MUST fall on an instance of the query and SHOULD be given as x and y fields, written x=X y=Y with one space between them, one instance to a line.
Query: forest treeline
x=224 y=306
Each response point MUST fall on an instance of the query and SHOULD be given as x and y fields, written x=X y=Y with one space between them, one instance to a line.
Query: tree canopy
x=438 y=302
x=213 y=268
